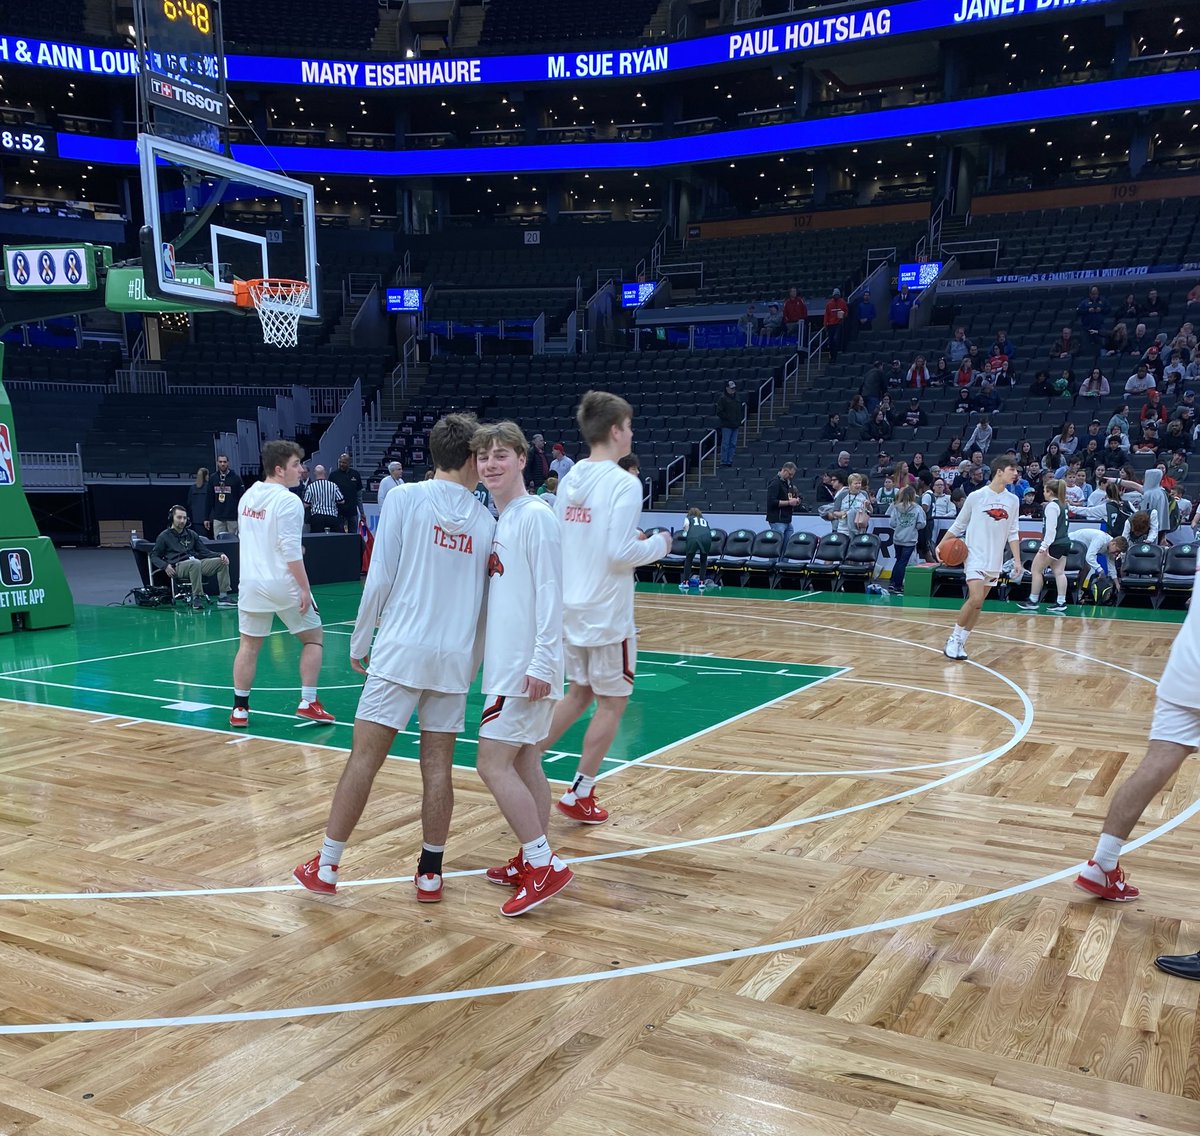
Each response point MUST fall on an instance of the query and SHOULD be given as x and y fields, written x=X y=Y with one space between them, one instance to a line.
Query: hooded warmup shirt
x=1154 y=498
x=599 y=506
x=270 y=522
x=524 y=606
x=425 y=588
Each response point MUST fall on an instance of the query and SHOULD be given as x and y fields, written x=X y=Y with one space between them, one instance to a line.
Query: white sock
x=308 y=694
x=241 y=693
x=332 y=852
x=963 y=633
x=1034 y=597
x=1108 y=850
x=581 y=787
x=537 y=852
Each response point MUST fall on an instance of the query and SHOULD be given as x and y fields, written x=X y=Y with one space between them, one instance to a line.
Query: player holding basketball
x=522 y=664
x=989 y=520
x=599 y=506
x=274 y=583
x=1056 y=543
x=424 y=592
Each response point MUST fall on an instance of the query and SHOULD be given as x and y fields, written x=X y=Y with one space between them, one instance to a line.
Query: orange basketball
x=952 y=551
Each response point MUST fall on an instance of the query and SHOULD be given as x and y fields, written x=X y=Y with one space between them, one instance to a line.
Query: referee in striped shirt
x=322 y=498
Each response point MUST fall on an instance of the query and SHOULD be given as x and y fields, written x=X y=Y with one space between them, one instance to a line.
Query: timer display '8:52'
x=29 y=141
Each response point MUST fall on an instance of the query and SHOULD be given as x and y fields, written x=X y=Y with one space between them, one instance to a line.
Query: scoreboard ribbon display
x=187 y=67
x=57 y=269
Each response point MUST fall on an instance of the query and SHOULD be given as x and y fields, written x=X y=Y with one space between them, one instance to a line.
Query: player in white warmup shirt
x=273 y=582
x=522 y=665
x=1174 y=733
x=599 y=506
x=988 y=519
x=425 y=593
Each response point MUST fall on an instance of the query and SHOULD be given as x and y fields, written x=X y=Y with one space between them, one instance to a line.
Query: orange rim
x=245 y=292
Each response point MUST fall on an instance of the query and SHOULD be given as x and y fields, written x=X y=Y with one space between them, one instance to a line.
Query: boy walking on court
x=989 y=520
x=274 y=583
x=424 y=592
x=599 y=506
x=522 y=665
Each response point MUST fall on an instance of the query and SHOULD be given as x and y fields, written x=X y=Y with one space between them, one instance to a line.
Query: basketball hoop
x=278 y=303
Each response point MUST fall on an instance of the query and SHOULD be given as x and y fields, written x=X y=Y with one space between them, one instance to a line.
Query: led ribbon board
x=748 y=44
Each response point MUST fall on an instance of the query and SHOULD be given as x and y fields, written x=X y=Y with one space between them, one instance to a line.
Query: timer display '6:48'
x=31 y=141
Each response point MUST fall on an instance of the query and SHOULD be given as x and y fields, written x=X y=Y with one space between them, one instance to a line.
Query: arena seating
x=62 y=20
x=280 y=26
x=565 y=21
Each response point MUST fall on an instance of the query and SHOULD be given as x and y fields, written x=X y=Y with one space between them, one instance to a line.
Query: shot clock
x=183 y=58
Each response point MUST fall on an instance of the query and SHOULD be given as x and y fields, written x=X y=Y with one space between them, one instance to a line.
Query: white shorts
x=514 y=720
x=258 y=624
x=1175 y=723
x=392 y=705
x=976 y=568
x=608 y=670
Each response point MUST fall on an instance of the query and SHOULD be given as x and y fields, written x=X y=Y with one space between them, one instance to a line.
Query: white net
x=278 y=303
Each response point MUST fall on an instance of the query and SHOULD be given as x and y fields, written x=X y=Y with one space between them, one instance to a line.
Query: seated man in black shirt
x=181 y=552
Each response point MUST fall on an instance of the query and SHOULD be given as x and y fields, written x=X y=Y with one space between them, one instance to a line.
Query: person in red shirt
x=836 y=314
x=795 y=312
x=1155 y=407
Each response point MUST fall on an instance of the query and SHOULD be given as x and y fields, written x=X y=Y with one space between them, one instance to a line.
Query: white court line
x=226 y=686
x=722 y=724
x=797 y=599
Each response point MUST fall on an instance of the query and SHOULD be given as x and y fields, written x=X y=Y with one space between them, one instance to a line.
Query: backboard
x=237 y=221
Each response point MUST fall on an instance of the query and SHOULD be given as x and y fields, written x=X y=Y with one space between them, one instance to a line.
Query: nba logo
x=168 y=261
x=8 y=473
x=16 y=570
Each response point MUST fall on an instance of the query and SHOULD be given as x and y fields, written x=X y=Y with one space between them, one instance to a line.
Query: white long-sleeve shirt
x=270 y=523
x=524 y=604
x=1178 y=683
x=425 y=588
x=599 y=505
x=989 y=522
x=1097 y=542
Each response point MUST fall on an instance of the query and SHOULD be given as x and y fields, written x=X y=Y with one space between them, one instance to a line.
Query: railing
x=766 y=398
x=982 y=248
x=791 y=375
x=539 y=335
x=647 y=493
x=878 y=256
x=815 y=347
x=228 y=443
x=578 y=292
x=935 y=230
x=365 y=442
x=688 y=268
x=339 y=434
x=606 y=276
x=676 y=474
x=706 y=448
x=409 y=356
x=55 y=388
x=135 y=381
x=43 y=471
x=573 y=333
x=921 y=309
x=659 y=249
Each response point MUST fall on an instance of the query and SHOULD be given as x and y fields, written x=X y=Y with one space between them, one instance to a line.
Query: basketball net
x=279 y=303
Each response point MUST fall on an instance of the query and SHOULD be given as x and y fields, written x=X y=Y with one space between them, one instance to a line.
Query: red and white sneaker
x=508 y=875
x=586 y=810
x=537 y=885
x=239 y=717
x=1114 y=886
x=310 y=876
x=314 y=712
x=429 y=887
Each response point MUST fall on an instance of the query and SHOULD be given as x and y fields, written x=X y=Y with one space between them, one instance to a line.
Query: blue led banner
x=918 y=276
x=404 y=299
x=1172 y=89
x=909 y=17
x=635 y=295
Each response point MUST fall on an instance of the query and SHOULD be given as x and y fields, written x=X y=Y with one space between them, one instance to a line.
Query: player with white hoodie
x=599 y=505
x=424 y=592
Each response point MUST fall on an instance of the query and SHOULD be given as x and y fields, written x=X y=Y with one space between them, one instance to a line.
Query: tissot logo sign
x=197 y=103
x=16 y=567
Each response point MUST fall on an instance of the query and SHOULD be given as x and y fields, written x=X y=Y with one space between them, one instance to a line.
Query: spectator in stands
x=826 y=490
x=1184 y=342
x=1154 y=408
x=834 y=430
x=914 y=417
x=1117 y=341
x=549 y=490
x=748 y=325
x=198 y=501
x=965 y=375
x=836 y=314
x=631 y=465
x=919 y=471
x=350 y=482
x=952 y=454
x=782 y=501
x=889 y=409
x=851 y=514
x=1095 y=385
x=986 y=400
x=1148 y=442
x=1042 y=385
x=1154 y=360
x=959 y=345
x=1064 y=347
x=1092 y=317
x=772 y=324
x=1064 y=385
x=395 y=476
x=795 y=312
x=325 y=501
x=537 y=462
x=1193 y=303
x=977 y=480
x=1002 y=346
x=1175 y=435
x=1187 y=402
x=1067 y=439
x=857 y=415
x=883 y=467
x=981 y=437
x=1140 y=381
x=918 y=374
x=941 y=506
x=895 y=376
x=962 y=402
x=879 y=429
x=1116 y=449
x=1094 y=433
x=865 y=312
x=1141 y=342
x=730 y=410
x=1155 y=306
x=1177 y=467
x=1127 y=309
x=1025 y=454
x=874 y=385
x=1120 y=417
x=1174 y=373
x=560 y=464
x=885 y=494
x=1052 y=456
x=1155 y=501
x=943 y=373
x=181 y=551
x=843 y=465
x=900 y=310
x=225 y=490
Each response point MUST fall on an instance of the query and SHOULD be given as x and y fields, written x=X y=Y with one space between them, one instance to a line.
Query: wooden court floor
x=846 y=912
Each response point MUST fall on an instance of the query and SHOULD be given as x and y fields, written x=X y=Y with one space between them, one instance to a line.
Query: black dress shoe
x=1182 y=966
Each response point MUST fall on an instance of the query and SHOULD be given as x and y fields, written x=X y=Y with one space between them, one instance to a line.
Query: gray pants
x=194 y=572
x=220 y=527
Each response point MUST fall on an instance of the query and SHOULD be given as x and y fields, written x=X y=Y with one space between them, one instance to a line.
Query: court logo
x=16 y=567
x=8 y=471
x=20 y=268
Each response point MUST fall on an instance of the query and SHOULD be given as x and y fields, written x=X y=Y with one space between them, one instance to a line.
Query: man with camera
x=182 y=553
